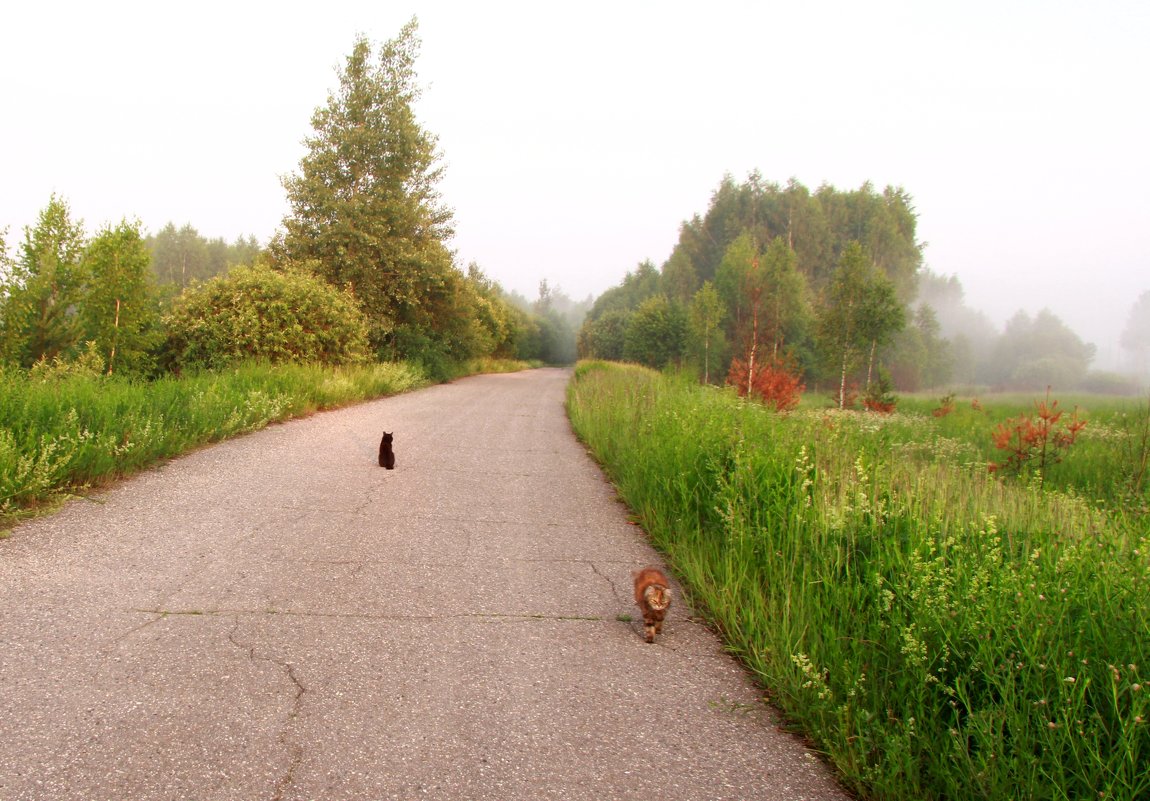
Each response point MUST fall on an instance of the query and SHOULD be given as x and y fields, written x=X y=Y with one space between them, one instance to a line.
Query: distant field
x=940 y=630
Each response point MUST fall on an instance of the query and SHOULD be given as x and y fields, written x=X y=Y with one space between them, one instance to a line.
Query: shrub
x=880 y=397
x=775 y=383
x=1037 y=438
x=260 y=313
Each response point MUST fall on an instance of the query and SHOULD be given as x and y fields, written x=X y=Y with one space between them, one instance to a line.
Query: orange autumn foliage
x=1036 y=438
x=775 y=383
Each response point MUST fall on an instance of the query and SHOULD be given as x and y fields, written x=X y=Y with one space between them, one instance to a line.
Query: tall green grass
x=68 y=430
x=938 y=632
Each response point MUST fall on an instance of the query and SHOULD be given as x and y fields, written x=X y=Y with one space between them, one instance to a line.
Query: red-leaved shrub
x=776 y=382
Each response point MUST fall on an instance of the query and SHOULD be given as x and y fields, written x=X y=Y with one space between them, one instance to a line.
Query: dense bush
x=260 y=313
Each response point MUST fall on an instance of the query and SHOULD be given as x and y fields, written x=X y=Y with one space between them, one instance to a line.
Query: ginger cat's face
x=658 y=598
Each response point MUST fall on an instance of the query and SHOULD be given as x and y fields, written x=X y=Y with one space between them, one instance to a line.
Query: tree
x=922 y=357
x=883 y=316
x=182 y=255
x=679 y=280
x=656 y=333
x=179 y=256
x=120 y=312
x=764 y=294
x=706 y=316
x=860 y=312
x=1039 y=352
x=7 y=285
x=784 y=288
x=364 y=204
x=45 y=288
x=604 y=337
x=740 y=280
x=1136 y=334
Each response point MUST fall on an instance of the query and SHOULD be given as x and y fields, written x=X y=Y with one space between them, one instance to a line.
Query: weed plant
x=65 y=429
x=939 y=632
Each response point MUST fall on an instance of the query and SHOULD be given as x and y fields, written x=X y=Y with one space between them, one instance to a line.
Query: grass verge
x=939 y=632
x=60 y=433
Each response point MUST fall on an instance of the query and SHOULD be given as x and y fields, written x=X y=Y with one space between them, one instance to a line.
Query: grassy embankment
x=939 y=632
x=61 y=432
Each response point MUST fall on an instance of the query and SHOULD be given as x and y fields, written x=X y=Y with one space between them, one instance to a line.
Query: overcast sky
x=578 y=136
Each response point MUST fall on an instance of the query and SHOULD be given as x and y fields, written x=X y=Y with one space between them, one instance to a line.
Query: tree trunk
x=116 y=330
x=754 y=347
x=706 y=359
x=870 y=364
x=843 y=383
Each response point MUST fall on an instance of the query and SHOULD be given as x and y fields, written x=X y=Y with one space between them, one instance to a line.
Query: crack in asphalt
x=614 y=590
x=294 y=749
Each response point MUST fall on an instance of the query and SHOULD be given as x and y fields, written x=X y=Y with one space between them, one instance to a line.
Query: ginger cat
x=653 y=595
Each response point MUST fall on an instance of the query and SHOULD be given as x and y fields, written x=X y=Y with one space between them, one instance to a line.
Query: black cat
x=386 y=454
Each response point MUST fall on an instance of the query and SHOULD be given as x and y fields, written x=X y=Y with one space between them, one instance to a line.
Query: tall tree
x=45 y=288
x=120 y=312
x=365 y=203
x=922 y=357
x=739 y=280
x=706 y=315
x=180 y=256
x=785 y=289
x=679 y=281
x=765 y=299
x=860 y=312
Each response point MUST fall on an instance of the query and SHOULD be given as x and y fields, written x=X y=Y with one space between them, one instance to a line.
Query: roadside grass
x=61 y=433
x=938 y=631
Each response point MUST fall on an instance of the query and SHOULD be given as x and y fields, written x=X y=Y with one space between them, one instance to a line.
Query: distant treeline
x=828 y=287
x=182 y=255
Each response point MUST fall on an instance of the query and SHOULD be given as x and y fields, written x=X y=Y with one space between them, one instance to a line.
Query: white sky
x=577 y=137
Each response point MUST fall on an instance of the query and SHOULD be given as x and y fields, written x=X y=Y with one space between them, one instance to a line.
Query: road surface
x=277 y=617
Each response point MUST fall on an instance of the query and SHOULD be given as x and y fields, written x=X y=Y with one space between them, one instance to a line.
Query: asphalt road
x=277 y=617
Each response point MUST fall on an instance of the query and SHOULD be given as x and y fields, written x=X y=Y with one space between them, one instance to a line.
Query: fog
x=576 y=138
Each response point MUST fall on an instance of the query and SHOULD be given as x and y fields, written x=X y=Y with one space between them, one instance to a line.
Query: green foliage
x=922 y=357
x=816 y=226
x=180 y=256
x=705 y=317
x=70 y=427
x=938 y=633
x=364 y=205
x=120 y=311
x=260 y=313
x=1035 y=353
x=45 y=289
x=656 y=333
x=771 y=253
x=860 y=313
x=637 y=286
x=604 y=337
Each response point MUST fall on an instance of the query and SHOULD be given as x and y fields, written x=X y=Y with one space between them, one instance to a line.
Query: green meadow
x=939 y=630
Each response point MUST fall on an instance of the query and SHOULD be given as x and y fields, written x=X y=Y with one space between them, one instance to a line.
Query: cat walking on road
x=653 y=595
